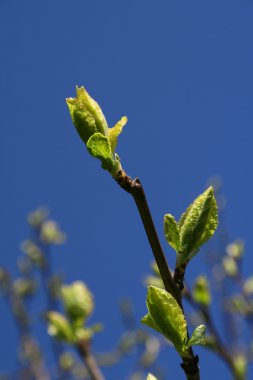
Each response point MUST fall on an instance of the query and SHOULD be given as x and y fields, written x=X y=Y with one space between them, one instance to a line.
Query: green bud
x=236 y=249
x=92 y=127
x=33 y=252
x=86 y=115
x=24 y=287
x=37 y=217
x=248 y=286
x=66 y=361
x=201 y=292
x=59 y=327
x=51 y=234
x=230 y=266
x=240 y=365
x=77 y=300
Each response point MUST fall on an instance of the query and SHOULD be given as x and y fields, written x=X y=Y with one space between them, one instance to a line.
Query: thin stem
x=134 y=187
x=83 y=347
x=219 y=347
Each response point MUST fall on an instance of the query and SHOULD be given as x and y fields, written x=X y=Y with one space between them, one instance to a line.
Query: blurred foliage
x=66 y=309
x=65 y=312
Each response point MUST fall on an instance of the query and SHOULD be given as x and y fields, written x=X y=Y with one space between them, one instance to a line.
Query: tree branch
x=83 y=347
x=134 y=187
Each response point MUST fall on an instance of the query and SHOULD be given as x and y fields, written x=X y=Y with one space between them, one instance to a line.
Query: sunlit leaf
x=197 y=224
x=99 y=147
x=114 y=132
x=198 y=336
x=166 y=316
x=171 y=231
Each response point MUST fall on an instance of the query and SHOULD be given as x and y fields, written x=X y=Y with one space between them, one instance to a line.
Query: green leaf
x=235 y=249
x=230 y=266
x=166 y=316
x=147 y=320
x=92 y=106
x=151 y=377
x=83 y=120
x=198 y=336
x=59 y=327
x=114 y=132
x=197 y=224
x=201 y=292
x=171 y=231
x=99 y=147
x=86 y=115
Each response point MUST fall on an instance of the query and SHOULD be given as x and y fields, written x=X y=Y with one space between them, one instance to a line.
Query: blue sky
x=182 y=73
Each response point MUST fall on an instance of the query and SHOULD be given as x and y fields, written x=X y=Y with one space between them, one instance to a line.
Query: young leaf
x=59 y=327
x=86 y=115
x=147 y=320
x=114 y=132
x=197 y=224
x=99 y=147
x=83 y=120
x=166 y=316
x=198 y=336
x=171 y=231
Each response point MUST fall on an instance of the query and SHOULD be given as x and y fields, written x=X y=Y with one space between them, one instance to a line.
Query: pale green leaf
x=197 y=224
x=167 y=317
x=86 y=115
x=99 y=147
x=147 y=320
x=114 y=132
x=171 y=231
x=198 y=336
x=230 y=266
x=87 y=102
x=59 y=327
x=83 y=120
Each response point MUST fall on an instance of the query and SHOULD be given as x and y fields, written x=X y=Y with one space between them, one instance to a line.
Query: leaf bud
x=77 y=300
x=86 y=115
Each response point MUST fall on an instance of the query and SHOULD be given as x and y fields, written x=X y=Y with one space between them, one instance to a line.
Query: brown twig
x=134 y=187
x=83 y=347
